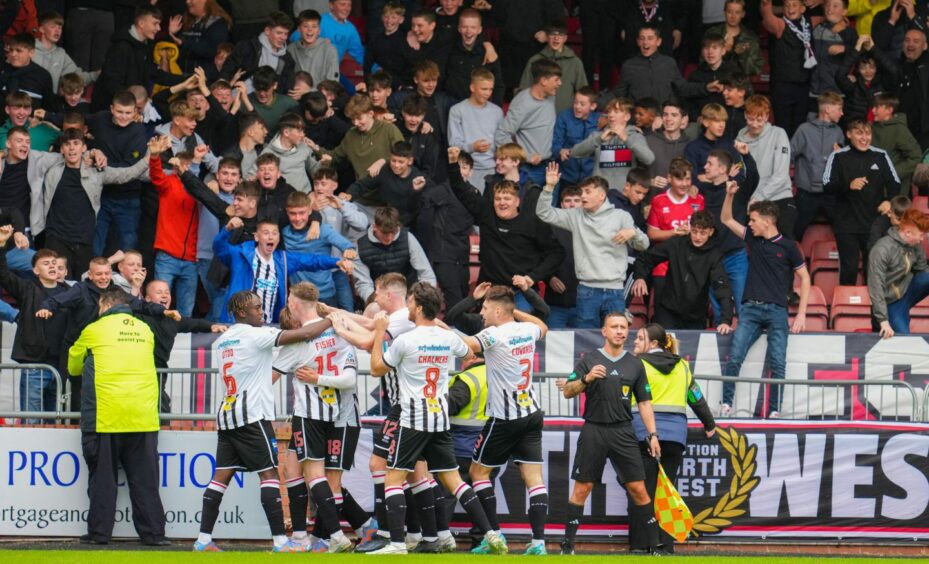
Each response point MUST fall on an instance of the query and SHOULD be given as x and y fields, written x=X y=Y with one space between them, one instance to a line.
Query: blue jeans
x=736 y=265
x=898 y=312
x=537 y=173
x=20 y=262
x=755 y=318
x=181 y=276
x=37 y=391
x=124 y=216
x=217 y=295
x=522 y=304
x=344 y=298
x=594 y=303
x=561 y=317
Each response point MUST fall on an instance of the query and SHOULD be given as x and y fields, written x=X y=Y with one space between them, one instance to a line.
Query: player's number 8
x=432 y=382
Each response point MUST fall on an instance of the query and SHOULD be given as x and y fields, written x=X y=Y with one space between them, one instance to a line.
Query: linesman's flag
x=672 y=513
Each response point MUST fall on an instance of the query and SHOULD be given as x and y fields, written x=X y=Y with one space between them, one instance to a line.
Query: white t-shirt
x=509 y=350
x=422 y=358
x=243 y=354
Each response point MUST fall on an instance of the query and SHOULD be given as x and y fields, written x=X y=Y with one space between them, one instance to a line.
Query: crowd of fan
x=190 y=160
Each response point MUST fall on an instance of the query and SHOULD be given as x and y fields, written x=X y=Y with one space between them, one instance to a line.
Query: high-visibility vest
x=669 y=391
x=473 y=414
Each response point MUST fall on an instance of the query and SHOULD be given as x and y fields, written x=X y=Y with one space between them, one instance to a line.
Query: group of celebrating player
x=413 y=463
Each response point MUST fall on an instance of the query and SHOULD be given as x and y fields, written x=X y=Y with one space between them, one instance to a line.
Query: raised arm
x=726 y=217
x=524 y=317
x=305 y=333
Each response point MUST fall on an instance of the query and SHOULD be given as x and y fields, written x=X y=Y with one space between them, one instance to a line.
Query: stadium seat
x=921 y=203
x=817 y=312
x=640 y=312
x=851 y=309
x=814 y=234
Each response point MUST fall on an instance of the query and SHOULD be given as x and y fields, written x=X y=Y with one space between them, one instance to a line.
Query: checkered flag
x=672 y=513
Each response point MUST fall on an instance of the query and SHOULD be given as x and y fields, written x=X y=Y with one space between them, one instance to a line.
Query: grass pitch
x=149 y=557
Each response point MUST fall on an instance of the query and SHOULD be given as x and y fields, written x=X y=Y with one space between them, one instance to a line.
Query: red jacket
x=178 y=215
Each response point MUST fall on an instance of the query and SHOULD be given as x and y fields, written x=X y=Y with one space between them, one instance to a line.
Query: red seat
x=851 y=309
x=815 y=233
x=640 y=312
x=921 y=203
x=919 y=325
x=817 y=313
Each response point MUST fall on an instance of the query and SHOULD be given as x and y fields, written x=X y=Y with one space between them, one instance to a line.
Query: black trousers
x=789 y=100
x=137 y=454
x=808 y=205
x=598 y=20
x=671 y=320
x=453 y=278
x=671 y=456
x=78 y=255
x=787 y=216
x=851 y=246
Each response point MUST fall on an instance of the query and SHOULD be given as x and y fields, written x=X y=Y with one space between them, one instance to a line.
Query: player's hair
x=639 y=176
x=757 y=105
x=114 y=296
x=267 y=221
x=315 y=104
x=144 y=11
x=240 y=301
x=291 y=120
x=470 y=13
x=225 y=48
x=427 y=297
x=858 y=124
x=304 y=77
x=73 y=120
x=621 y=314
x=247 y=120
x=71 y=83
x=71 y=134
x=426 y=69
x=128 y=252
x=702 y=219
x=387 y=219
x=739 y=2
x=596 y=182
x=915 y=218
x=279 y=19
x=714 y=38
x=765 y=208
x=26 y=40
x=298 y=200
x=306 y=291
x=502 y=295
x=680 y=168
x=481 y=73
x=888 y=99
x=287 y=321
x=264 y=78
x=425 y=14
x=17 y=129
x=510 y=151
x=714 y=112
x=401 y=149
x=648 y=103
x=357 y=105
x=182 y=109
x=415 y=105
x=220 y=84
x=43 y=254
x=99 y=261
x=650 y=26
x=621 y=104
x=829 y=98
x=18 y=99
x=231 y=162
x=543 y=68
x=392 y=281
x=569 y=190
x=380 y=80
x=327 y=173
x=899 y=205
x=722 y=156
x=248 y=189
x=657 y=333
x=308 y=16
x=507 y=186
x=124 y=98
x=395 y=8
x=587 y=92
x=51 y=17
x=268 y=158
x=739 y=81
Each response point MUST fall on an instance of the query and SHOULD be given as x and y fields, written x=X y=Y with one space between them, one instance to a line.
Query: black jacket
x=245 y=57
x=461 y=62
x=427 y=152
x=695 y=88
x=692 y=273
x=387 y=189
x=166 y=329
x=36 y=340
x=895 y=72
x=386 y=51
x=565 y=273
x=436 y=50
x=31 y=79
x=458 y=316
x=856 y=210
x=859 y=95
x=713 y=197
x=128 y=61
x=523 y=245
x=436 y=114
x=442 y=224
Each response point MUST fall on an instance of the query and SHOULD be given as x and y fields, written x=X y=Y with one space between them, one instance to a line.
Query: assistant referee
x=115 y=358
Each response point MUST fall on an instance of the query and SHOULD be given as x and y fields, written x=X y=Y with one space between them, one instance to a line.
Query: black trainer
x=567 y=547
x=377 y=543
x=428 y=547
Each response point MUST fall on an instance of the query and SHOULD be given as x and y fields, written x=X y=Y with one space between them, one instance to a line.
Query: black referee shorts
x=500 y=439
x=385 y=436
x=252 y=448
x=599 y=442
x=311 y=439
x=437 y=449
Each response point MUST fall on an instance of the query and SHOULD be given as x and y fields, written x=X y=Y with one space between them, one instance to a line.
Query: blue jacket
x=569 y=131
x=699 y=149
x=329 y=238
x=239 y=259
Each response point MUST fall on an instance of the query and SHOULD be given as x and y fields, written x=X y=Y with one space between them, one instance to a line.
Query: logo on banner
x=742 y=458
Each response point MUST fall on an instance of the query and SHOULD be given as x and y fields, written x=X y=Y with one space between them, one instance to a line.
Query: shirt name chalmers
x=433 y=360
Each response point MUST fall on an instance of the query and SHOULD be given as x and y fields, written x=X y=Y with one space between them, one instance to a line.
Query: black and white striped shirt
x=243 y=355
x=509 y=350
x=266 y=282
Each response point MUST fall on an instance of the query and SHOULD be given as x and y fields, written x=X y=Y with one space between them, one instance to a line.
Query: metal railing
x=196 y=393
x=19 y=392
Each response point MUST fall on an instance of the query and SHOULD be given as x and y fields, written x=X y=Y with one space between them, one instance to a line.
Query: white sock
x=384 y=534
x=337 y=536
x=445 y=534
x=279 y=540
x=205 y=538
x=414 y=536
x=537 y=542
x=314 y=539
x=299 y=535
x=399 y=545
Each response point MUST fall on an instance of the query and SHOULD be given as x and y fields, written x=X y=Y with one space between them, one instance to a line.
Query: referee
x=115 y=358
x=611 y=377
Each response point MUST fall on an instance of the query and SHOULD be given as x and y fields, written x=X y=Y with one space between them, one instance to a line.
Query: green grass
x=149 y=557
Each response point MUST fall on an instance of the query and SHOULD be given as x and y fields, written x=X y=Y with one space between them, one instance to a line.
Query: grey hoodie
x=664 y=150
x=57 y=62
x=297 y=163
x=771 y=151
x=598 y=262
x=321 y=60
x=613 y=158
x=810 y=147
x=891 y=266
